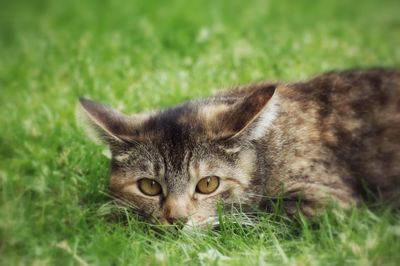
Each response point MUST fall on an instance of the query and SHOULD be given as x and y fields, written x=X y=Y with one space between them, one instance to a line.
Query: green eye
x=207 y=185
x=149 y=187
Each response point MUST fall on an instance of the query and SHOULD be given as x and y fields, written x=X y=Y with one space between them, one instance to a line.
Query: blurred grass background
x=139 y=55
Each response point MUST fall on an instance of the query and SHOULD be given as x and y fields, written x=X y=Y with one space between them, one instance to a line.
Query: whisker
x=261 y=196
x=121 y=201
x=118 y=199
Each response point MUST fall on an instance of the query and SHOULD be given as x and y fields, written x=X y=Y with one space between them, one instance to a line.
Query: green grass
x=143 y=55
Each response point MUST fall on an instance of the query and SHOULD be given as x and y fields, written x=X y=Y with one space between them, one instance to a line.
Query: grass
x=148 y=54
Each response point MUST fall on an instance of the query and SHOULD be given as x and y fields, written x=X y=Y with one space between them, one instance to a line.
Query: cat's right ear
x=104 y=123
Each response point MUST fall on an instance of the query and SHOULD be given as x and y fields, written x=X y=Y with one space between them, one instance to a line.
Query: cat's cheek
x=203 y=218
x=201 y=222
x=203 y=213
x=234 y=193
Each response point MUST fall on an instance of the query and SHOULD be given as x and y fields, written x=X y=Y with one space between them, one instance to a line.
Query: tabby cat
x=334 y=137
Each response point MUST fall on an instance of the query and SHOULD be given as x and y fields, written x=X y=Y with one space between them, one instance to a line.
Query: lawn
x=141 y=55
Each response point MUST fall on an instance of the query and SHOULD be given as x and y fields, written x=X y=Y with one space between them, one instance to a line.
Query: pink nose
x=176 y=210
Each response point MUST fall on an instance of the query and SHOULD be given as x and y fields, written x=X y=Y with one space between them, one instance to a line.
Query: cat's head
x=175 y=165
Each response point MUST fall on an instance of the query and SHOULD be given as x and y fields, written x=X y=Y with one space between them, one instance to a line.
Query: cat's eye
x=207 y=185
x=149 y=187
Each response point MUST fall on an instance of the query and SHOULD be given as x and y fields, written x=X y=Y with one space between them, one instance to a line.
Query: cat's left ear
x=104 y=123
x=250 y=117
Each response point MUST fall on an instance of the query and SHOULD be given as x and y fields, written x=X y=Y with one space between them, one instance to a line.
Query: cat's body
x=336 y=137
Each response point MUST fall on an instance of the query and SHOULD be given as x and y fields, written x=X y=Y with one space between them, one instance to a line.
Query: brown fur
x=334 y=137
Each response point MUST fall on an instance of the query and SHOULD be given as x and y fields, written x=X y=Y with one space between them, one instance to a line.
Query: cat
x=334 y=138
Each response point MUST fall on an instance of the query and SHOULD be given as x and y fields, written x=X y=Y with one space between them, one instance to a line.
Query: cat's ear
x=104 y=123
x=250 y=117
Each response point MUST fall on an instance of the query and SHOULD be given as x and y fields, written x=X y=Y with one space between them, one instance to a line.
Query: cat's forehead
x=186 y=123
x=175 y=124
x=175 y=135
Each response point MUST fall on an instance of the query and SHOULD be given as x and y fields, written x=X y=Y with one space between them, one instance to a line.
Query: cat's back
x=356 y=115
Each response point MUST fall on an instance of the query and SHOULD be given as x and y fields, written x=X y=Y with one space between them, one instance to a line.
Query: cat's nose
x=176 y=217
x=176 y=210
